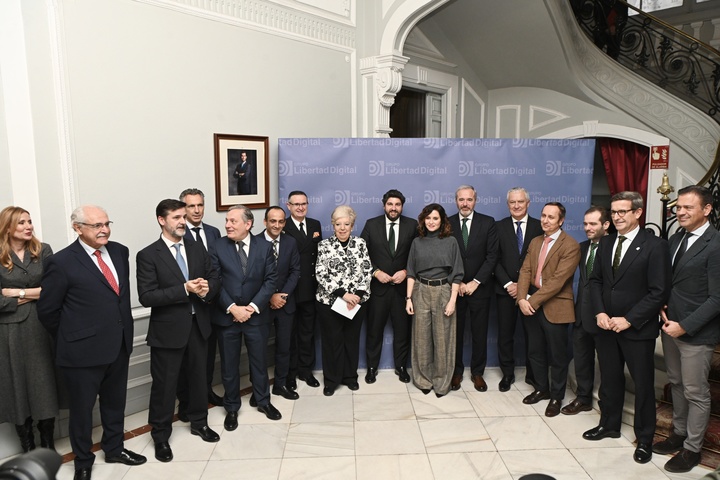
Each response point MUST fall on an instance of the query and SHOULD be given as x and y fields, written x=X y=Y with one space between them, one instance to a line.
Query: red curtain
x=626 y=166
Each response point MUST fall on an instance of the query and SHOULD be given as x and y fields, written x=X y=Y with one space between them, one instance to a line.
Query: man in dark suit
x=206 y=235
x=388 y=238
x=307 y=233
x=243 y=173
x=175 y=280
x=514 y=235
x=595 y=223
x=629 y=285
x=282 y=302
x=691 y=328
x=477 y=237
x=85 y=305
x=545 y=298
x=247 y=269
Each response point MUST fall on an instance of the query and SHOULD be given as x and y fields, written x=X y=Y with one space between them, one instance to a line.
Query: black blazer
x=307 y=248
x=481 y=255
x=211 y=233
x=255 y=286
x=85 y=316
x=583 y=301
x=288 y=269
x=160 y=287
x=375 y=236
x=510 y=260
x=639 y=288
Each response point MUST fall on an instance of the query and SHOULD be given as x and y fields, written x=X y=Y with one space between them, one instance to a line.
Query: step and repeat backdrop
x=358 y=171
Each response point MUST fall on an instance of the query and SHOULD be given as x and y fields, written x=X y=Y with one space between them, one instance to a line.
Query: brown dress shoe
x=535 y=397
x=553 y=408
x=479 y=383
x=575 y=407
x=455 y=382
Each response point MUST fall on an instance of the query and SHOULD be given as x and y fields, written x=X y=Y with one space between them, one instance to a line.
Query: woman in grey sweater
x=434 y=273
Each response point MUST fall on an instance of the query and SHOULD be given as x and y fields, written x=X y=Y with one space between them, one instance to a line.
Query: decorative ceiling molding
x=604 y=80
x=263 y=15
x=541 y=117
x=418 y=45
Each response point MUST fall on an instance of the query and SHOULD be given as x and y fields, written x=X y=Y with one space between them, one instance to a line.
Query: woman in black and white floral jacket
x=343 y=271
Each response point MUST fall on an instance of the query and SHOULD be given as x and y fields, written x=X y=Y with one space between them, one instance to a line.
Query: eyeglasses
x=95 y=226
x=298 y=204
x=621 y=213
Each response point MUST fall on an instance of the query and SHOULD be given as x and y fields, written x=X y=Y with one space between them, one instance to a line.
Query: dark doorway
x=407 y=115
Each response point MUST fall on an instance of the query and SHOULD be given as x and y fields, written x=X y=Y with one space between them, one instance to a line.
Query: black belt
x=433 y=283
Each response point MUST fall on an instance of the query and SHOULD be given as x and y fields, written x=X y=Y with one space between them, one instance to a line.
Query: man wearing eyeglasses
x=85 y=305
x=307 y=234
x=629 y=285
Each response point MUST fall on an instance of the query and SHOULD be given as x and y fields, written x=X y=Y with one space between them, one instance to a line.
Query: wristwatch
x=22 y=294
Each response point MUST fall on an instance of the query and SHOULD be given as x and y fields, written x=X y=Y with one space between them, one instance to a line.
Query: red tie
x=541 y=261
x=106 y=272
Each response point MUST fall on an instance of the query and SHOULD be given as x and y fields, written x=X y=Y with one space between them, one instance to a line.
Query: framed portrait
x=241 y=171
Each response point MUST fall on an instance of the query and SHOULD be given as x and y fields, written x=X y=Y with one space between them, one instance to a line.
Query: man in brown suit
x=545 y=298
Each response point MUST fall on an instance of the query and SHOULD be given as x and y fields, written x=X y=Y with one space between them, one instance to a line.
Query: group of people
x=428 y=277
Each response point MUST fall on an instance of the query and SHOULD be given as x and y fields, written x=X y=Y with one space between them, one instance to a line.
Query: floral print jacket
x=342 y=269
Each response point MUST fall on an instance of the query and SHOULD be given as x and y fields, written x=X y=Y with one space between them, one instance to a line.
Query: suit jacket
x=639 y=288
x=160 y=285
x=583 y=302
x=307 y=248
x=555 y=296
x=26 y=273
x=510 y=260
x=211 y=233
x=695 y=296
x=375 y=236
x=288 y=269
x=481 y=254
x=256 y=285
x=79 y=308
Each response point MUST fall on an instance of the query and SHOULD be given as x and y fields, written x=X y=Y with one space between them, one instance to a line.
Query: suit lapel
x=584 y=246
x=632 y=253
x=167 y=257
x=698 y=246
x=85 y=260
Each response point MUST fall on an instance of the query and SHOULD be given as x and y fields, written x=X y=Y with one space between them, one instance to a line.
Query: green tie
x=618 y=254
x=465 y=232
x=391 y=239
x=591 y=259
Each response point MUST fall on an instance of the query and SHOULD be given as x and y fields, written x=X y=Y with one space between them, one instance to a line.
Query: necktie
x=275 y=250
x=391 y=239
x=681 y=249
x=618 y=254
x=302 y=230
x=198 y=237
x=465 y=232
x=106 y=272
x=243 y=256
x=591 y=259
x=180 y=260
x=541 y=261
x=519 y=236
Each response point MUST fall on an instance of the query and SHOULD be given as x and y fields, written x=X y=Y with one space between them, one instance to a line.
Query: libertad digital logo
x=347 y=197
x=436 y=196
x=376 y=168
x=285 y=168
x=553 y=168
x=472 y=169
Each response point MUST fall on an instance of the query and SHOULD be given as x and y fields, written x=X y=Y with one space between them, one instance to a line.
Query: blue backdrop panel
x=358 y=171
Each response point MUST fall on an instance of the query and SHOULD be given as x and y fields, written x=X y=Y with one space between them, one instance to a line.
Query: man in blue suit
x=282 y=303
x=85 y=305
x=247 y=269
x=201 y=232
x=691 y=327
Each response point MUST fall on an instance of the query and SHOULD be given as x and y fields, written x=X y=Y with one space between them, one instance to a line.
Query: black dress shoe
x=206 y=433
x=439 y=395
x=231 y=421
x=403 y=374
x=310 y=380
x=371 y=375
x=253 y=402
x=126 y=457
x=598 y=433
x=535 y=397
x=505 y=382
x=425 y=391
x=683 y=462
x=215 y=399
x=575 y=407
x=83 y=473
x=643 y=453
x=285 y=393
x=353 y=386
x=328 y=391
x=182 y=416
x=553 y=408
x=270 y=411
x=291 y=384
x=672 y=444
x=163 y=452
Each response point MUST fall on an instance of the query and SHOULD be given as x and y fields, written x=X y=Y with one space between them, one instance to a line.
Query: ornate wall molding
x=383 y=75
x=309 y=25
